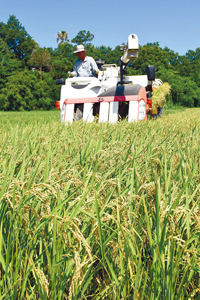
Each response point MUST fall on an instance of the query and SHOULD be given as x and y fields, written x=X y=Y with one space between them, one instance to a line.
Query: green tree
x=26 y=91
x=62 y=37
x=17 y=38
x=190 y=65
x=62 y=60
x=8 y=64
x=105 y=53
x=150 y=54
x=83 y=37
x=172 y=57
x=41 y=59
x=184 y=91
x=109 y=55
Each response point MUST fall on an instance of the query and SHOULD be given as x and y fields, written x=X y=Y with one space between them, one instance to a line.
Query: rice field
x=99 y=211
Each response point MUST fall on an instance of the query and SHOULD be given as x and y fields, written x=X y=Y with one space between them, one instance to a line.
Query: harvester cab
x=111 y=95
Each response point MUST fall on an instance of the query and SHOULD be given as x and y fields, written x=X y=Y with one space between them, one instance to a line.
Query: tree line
x=28 y=73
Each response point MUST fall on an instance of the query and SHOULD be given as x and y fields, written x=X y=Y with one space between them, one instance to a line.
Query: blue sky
x=172 y=23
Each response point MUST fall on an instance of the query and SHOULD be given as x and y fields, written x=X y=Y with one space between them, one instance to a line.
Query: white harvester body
x=109 y=89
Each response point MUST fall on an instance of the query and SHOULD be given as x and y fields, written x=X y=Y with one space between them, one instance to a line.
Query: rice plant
x=99 y=211
x=159 y=95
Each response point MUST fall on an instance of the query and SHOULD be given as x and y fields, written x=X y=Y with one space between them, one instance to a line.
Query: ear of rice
x=159 y=95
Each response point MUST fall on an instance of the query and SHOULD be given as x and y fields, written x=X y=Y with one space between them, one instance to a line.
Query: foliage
x=17 y=38
x=99 y=211
x=62 y=60
x=62 y=37
x=26 y=91
x=106 y=53
x=40 y=58
x=83 y=37
x=150 y=54
x=184 y=90
x=8 y=64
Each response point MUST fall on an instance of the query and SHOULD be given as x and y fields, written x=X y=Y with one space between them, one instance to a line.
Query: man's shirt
x=85 y=68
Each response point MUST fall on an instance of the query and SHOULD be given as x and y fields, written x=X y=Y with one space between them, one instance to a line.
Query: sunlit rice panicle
x=43 y=280
x=159 y=95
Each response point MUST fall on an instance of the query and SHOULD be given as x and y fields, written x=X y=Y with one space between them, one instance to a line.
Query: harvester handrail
x=81 y=79
x=109 y=65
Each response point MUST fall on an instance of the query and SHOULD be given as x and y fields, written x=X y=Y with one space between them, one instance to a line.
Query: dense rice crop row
x=99 y=211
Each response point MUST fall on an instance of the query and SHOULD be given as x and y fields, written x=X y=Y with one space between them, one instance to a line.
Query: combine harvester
x=110 y=96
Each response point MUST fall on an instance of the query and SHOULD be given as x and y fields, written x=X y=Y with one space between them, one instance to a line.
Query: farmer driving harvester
x=85 y=66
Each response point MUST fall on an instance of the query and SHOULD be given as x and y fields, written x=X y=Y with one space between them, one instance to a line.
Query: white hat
x=79 y=48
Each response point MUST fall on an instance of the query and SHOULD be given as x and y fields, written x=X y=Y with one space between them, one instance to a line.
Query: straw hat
x=79 y=48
